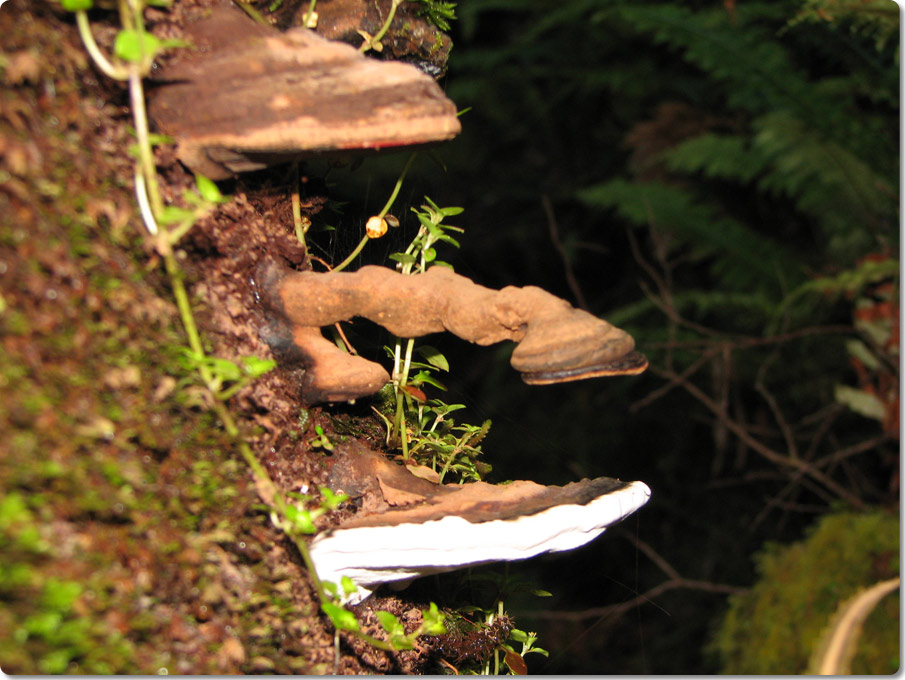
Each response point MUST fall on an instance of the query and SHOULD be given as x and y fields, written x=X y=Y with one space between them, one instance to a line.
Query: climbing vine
x=295 y=514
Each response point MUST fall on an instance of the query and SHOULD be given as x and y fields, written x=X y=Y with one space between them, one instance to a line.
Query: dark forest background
x=720 y=179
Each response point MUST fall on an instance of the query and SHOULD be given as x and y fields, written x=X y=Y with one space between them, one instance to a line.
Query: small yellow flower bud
x=376 y=227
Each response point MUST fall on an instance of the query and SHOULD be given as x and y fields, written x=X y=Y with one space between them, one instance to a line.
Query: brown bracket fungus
x=251 y=97
x=410 y=527
x=556 y=342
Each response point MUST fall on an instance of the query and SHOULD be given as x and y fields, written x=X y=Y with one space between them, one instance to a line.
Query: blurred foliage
x=772 y=628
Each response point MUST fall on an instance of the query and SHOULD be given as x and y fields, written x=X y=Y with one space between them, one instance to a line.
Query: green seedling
x=297 y=518
x=321 y=441
x=133 y=54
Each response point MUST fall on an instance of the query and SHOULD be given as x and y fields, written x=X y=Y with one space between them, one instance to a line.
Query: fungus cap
x=251 y=96
x=420 y=528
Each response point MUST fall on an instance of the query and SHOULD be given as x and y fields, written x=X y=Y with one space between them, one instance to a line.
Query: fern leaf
x=826 y=181
x=746 y=259
x=719 y=156
x=755 y=68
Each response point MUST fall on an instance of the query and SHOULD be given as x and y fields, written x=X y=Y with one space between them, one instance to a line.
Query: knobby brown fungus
x=556 y=342
x=250 y=96
x=409 y=527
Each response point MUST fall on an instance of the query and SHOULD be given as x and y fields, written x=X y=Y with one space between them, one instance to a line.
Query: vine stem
x=146 y=154
x=151 y=209
x=300 y=230
x=309 y=13
x=383 y=29
x=94 y=51
x=355 y=253
x=386 y=208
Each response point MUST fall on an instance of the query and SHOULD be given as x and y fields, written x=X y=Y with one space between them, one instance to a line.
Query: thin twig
x=553 y=227
x=758 y=446
x=616 y=611
x=670 y=384
x=781 y=421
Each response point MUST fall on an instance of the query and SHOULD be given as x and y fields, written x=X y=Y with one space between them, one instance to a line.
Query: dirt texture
x=131 y=534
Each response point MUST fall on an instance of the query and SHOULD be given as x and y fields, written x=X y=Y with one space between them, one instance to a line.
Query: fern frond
x=746 y=258
x=719 y=156
x=755 y=69
x=826 y=181
x=878 y=19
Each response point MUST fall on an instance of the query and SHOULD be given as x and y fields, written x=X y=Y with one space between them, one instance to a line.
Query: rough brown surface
x=251 y=96
x=557 y=342
x=118 y=489
x=391 y=494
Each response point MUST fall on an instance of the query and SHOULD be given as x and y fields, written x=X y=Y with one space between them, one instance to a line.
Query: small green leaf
x=256 y=367
x=433 y=620
x=860 y=351
x=208 y=189
x=449 y=239
x=433 y=356
x=518 y=635
x=423 y=377
x=77 y=5
x=135 y=46
x=300 y=519
x=404 y=258
x=401 y=642
x=332 y=500
x=390 y=623
x=861 y=402
x=225 y=369
x=173 y=214
x=348 y=585
x=43 y=624
x=341 y=618
x=155 y=138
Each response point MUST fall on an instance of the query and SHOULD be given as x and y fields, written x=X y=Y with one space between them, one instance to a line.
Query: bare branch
x=553 y=226
x=757 y=445
x=761 y=388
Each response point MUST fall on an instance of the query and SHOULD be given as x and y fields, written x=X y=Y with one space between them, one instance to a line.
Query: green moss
x=773 y=627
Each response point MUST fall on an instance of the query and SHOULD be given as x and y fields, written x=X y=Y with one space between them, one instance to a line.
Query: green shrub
x=773 y=627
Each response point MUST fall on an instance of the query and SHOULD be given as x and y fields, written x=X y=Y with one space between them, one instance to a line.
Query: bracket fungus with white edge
x=249 y=97
x=556 y=342
x=410 y=527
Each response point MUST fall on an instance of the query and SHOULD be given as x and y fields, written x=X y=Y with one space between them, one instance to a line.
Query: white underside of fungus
x=374 y=555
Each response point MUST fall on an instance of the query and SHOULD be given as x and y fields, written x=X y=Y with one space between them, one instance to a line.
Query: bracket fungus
x=556 y=342
x=250 y=97
x=410 y=527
